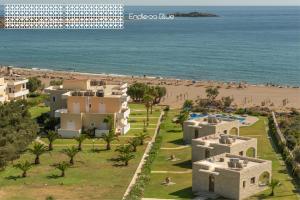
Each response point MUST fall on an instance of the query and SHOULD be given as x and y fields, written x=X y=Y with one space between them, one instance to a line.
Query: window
x=23 y=86
x=241 y=153
x=196 y=134
x=207 y=153
x=225 y=132
x=90 y=106
x=53 y=99
x=244 y=184
x=252 y=180
x=9 y=90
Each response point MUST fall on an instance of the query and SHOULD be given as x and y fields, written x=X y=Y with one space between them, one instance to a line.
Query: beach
x=245 y=95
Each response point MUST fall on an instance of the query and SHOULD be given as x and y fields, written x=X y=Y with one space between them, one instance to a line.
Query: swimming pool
x=221 y=116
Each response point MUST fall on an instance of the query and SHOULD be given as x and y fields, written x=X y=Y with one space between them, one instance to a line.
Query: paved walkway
x=143 y=117
x=172 y=172
x=143 y=160
x=171 y=148
x=155 y=199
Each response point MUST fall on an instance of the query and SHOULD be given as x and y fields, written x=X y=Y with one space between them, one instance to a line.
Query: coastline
x=178 y=90
x=37 y=69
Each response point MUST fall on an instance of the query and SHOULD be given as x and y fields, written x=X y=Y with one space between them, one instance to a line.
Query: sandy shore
x=245 y=95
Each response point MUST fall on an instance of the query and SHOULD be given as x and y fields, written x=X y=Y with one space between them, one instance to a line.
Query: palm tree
x=71 y=153
x=125 y=157
x=134 y=142
x=142 y=136
x=153 y=92
x=108 y=138
x=148 y=100
x=109 y=121
x=24 y=167
x=273 y=184
x=182 y=117
x=62 y=166
x=187 y=105
x=125 y=148
x=212 y=93
x=38 y=149
x=80 y=139
x=51 y=136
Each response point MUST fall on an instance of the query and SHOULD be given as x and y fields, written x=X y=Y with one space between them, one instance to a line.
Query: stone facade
x=231 y=176
x=208 y=146
x=197 y=128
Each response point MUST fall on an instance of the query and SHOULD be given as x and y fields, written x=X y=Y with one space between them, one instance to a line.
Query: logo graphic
x=64 y=16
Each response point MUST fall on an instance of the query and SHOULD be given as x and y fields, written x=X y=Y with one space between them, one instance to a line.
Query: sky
x=171 y=2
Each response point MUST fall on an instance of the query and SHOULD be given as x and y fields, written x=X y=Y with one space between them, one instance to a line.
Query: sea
x=253 y=44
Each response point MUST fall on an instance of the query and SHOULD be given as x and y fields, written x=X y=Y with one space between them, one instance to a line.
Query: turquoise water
x=253 y=44
x=220 y=116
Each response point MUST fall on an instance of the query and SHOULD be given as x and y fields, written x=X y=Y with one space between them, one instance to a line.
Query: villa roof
x=227 y=140
x=228 y=162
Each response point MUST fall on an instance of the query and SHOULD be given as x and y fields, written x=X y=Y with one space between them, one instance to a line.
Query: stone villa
x=231 y=176
x=224 y=163
x=208 y=146
x=84 y=104
x=206 y=126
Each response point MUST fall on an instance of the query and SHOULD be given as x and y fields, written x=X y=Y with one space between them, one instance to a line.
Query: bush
x=33 y=84
x=144 y=177
x=296 y=153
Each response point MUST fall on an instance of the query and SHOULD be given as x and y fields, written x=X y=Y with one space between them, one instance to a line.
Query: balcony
x=125 y=129
x=16 y=81
x=125 y=85
x=18 y=94
x=125 y=112
x=58 y=112
x=64 y=133
x=2 y=99
x=125 y=98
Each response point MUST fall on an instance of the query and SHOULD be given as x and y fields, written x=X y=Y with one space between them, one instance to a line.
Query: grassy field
x=182 y=189
x=36 y=111
x=94 y=175
x=266 y=150
x=172 y=138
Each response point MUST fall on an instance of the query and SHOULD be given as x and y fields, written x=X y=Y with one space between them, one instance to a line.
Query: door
x=76 y=107
x=207 y=153
x=70 y=125
x=211 y=186
x=102 y=108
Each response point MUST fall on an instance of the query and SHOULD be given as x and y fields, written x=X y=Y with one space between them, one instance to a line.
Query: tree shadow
x=178 y=142
x=283 y=171
x=174 y=131
x=13 y=177
x=118 y=165
x=54 y=176
x=185 y=193
x=185 y=164
x=267 y=196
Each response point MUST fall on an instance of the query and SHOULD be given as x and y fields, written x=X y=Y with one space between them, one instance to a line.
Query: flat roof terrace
x=223 y=139
x=228 y=162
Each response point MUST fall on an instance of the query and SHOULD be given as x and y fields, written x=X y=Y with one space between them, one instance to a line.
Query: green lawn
x=36 y=111
x=172 y=138
x=94 y=175
x=266 y=151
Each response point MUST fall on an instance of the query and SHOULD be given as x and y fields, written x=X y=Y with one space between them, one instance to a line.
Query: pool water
x=221 y=116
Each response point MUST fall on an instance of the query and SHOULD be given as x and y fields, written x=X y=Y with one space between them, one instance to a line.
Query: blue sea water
x=253 y=44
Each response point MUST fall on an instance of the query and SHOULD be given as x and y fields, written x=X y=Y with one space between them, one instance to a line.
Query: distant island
x=193 y=14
